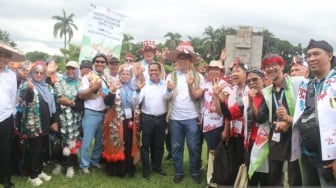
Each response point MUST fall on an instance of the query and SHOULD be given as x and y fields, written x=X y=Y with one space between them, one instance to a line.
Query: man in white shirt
x=153 y=119
x=92 y=88
x=8 y=89
x=184 y=111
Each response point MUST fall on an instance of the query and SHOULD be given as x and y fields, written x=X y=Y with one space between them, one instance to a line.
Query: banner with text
x=103 y=33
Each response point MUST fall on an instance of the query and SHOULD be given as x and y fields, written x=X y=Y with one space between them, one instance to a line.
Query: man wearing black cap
x=314 y=127
x=92 y=89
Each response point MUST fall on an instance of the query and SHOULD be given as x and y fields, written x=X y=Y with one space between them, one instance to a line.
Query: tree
x=72 y=53
x=196 y=42
x=63 y=27
x=214 y=42
x=37 y=55
x=173 y=40
x=127 y=46
x=5 y=38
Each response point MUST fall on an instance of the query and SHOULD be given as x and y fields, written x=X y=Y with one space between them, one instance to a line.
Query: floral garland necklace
x=114 y=131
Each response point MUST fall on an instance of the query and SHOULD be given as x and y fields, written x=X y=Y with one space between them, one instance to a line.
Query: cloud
x=31 y=24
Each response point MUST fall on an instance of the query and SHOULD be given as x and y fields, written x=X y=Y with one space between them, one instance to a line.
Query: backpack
x=227 y=162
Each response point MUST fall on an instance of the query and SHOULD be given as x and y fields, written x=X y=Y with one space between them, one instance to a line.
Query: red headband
x=273 y=59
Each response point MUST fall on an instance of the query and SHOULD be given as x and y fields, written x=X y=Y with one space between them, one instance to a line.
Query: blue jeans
x=92 y=127
x=179 y=130
x=313 y=173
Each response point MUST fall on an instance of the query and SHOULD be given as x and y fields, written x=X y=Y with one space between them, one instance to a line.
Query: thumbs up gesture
x=30 y=85
x=170 y=85
x=281 y=112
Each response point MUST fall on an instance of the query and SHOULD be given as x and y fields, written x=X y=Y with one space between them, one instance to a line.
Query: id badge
x=276 y=137
x=128 y=113
x=238 y=127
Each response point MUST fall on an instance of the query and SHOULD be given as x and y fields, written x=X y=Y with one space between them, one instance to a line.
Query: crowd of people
x=109 y=115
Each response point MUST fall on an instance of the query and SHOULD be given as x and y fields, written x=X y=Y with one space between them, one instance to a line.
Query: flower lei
x=114 y=133
x=116 y=139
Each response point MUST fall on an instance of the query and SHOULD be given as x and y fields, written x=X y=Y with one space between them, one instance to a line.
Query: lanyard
x=276 y=101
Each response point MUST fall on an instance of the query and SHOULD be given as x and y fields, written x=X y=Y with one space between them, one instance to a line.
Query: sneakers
x=57 y=169
x=44 y=176
x=35 y=182
x=97 y=166
x=85 y=170
x=70 y=173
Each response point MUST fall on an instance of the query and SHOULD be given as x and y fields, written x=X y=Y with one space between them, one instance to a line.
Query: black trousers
x=36 y=147
x=153 y=135
x=6 y=132
x=276 y=175
x=168 y=144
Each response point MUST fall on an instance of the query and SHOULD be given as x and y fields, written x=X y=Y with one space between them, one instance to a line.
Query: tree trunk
x=65 y=48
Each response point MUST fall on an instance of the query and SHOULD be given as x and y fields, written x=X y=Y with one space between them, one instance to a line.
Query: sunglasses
x=254 y=80
x=101 y=62
x=129 y=60
x=38 y=72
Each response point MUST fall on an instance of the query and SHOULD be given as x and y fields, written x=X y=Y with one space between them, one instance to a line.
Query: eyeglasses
x=129 y=60
x=254 y=80
x=101 y=62
x=271 y=65
x=38 y=72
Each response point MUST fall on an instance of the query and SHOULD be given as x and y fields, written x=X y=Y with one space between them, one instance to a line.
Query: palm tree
x=196 y=42
x=127 y=45
x=64 y=26
x=210 y=43
x=173 y=40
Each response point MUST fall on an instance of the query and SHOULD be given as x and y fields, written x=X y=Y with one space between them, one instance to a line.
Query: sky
x=30 y=23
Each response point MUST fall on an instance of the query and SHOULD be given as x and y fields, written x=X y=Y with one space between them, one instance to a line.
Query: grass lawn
x=98 y=178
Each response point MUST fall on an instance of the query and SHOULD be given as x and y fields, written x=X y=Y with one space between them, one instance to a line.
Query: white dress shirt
x=152 y=98
x=8 y=89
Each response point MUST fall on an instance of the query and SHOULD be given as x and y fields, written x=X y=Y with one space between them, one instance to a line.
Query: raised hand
x=190 y=79
x=216 y=87
x=140 y=83
x=281 y=112
x=170 y=85
x=252 y=93
x=97 y=85
x=115 y=86
x=30 y=85
x=52 y=67
x=223 y=55
x=164 y=53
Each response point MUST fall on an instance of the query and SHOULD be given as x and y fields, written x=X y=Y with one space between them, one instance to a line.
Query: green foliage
x=5 y=38
x=168 y=68
x=209 y=47
x=173 y=40
x=60 y=62
x=99 y=179
x=71 y=54
x=37 y=55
